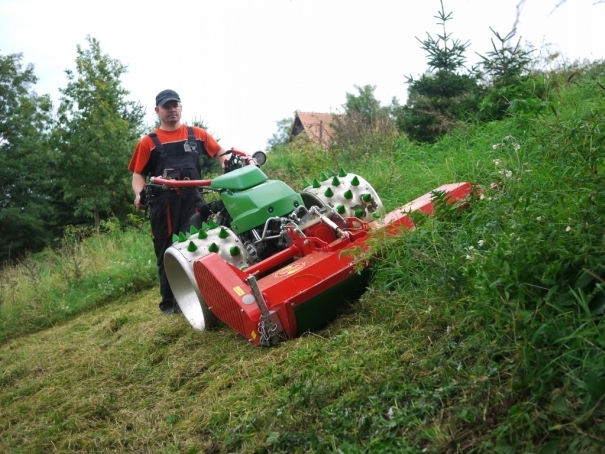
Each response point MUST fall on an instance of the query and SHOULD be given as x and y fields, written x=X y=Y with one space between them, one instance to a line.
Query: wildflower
x=568 y=229
x=539 y=218
x=497 y=162
x=391 y=413
x=480 y=243
x=497 y=145
x=516 y=147
x=482 y=196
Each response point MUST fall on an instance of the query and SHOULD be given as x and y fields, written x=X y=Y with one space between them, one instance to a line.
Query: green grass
x=54 y=286
x=481 y=330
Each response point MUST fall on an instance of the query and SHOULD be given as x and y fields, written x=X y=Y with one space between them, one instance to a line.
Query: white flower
x=568 y=229
x=497 y=162
x=391 y=413
x=480 y=243
x=539 y=218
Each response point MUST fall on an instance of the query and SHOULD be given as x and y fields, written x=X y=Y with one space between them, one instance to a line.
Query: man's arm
x=138 y=183
x=221 y=159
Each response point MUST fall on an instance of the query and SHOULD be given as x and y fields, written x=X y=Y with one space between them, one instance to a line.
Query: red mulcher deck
x=304 y=286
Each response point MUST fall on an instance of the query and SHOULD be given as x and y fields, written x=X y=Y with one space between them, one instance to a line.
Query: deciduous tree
x=25 y=206
x=97 y=131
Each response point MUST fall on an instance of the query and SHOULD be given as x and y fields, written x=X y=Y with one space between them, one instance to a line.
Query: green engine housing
x=251 y=198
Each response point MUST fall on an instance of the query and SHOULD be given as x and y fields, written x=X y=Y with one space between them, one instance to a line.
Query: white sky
x=242 y=65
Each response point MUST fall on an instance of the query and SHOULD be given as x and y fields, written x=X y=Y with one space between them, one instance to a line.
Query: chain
x=266 y=330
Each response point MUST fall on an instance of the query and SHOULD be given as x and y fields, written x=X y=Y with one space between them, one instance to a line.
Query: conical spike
x=335 y=181
x=306 y=184
x=234 y=251
x=175 y=238
x=212 y=224
x=366 y=197
x=342 y=173
x=331 y=172
x=182 y=237
x=323 y=177
x=329 y=193
x=341 y=209
x=202 y=235
x=193 y=230
x=316 y=183
x=223 y=234
x=355 y=181
x=213 y=247
x=348 y=194
x=359 y=212
x=375 y=215
x=192 y=247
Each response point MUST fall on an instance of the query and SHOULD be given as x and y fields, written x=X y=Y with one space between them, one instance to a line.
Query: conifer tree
x=444 y=95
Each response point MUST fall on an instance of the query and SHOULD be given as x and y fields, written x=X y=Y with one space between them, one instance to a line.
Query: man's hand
x=138 y=186
x=137 y=203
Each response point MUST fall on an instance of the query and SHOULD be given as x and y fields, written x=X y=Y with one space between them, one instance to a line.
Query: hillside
x=480 y=331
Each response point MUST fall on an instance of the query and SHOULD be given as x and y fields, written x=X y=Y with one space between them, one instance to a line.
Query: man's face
x=170 y=113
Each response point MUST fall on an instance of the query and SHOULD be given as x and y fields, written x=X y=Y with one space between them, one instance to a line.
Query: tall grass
x=480 y=332
x=54 y=285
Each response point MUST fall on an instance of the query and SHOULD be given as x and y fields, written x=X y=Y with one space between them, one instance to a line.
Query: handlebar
x=180 y=183
x=237 y=160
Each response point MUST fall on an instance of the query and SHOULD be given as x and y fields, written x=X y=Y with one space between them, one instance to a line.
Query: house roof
x=318 y=127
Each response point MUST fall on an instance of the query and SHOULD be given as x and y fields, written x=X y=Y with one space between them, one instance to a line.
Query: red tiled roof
x=318 y=127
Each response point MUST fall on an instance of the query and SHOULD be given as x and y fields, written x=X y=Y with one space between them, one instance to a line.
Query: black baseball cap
x=166 y=95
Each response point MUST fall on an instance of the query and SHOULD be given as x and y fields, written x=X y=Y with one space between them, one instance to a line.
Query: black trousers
x=170 y=215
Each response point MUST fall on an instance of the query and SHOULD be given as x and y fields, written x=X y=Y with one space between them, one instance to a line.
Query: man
x=173 y=150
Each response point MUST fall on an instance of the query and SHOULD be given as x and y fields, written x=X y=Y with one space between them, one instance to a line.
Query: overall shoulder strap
x=193 y=142
x=158 y=145
x=191 y=139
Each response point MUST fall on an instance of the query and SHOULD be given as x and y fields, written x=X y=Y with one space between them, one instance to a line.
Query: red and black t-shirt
x=143 y=160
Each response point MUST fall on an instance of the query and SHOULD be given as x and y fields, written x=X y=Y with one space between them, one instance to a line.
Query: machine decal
x=290 y=269
x=239 y=291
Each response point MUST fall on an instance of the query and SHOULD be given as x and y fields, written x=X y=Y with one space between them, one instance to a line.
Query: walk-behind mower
x=273 y=263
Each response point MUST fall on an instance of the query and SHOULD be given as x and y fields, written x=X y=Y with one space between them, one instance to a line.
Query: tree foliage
x=363 y=115
x=444 y=95
x=282 y=135
x=97 y=130
x=25 y=208
x=506 y=66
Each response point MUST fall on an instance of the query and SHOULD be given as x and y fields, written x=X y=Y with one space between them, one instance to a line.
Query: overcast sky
x=242 y=65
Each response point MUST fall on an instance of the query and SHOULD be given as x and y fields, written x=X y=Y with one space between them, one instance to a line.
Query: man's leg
x=168 y=303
